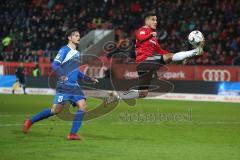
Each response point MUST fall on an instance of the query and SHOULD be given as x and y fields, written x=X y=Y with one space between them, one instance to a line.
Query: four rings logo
x=216 y=75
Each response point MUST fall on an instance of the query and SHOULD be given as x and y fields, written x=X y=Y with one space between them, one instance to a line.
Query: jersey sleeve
x=143 y=35
x=159 y=50
x=60 y=56
x=56 y=64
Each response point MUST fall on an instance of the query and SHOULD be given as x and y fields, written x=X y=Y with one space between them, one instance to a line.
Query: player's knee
x=56 y=109
x=53 y=110
x=143 y=93
x=168 y=57
x=82 y=105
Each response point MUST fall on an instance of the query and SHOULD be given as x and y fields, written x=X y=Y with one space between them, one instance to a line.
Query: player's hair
x=149 y=14
x=70 y=31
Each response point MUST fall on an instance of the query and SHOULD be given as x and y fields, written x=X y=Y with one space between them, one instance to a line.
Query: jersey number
x=58 y=56
x=60 y=98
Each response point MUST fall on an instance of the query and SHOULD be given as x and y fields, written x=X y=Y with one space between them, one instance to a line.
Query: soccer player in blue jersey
x=66 y=65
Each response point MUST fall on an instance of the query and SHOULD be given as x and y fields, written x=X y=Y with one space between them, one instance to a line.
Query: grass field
x=210 y=131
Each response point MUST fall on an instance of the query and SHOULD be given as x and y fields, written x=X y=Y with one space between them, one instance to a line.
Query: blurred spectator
x=20 y=76
x=135 y=7
x=6 y=41
x=36 y=71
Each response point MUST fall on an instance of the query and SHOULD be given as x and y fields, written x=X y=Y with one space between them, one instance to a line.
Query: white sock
x=129 y=94
x=179 y=56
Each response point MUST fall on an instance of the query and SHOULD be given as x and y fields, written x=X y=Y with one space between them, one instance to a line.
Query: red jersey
x=146 y=45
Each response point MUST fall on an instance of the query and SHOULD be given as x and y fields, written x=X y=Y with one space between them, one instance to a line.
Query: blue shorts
x=61 y=98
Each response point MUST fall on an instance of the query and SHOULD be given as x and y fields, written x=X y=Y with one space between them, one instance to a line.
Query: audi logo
x=216 y=75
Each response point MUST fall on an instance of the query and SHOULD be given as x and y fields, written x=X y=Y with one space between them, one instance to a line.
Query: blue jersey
x=66 y=63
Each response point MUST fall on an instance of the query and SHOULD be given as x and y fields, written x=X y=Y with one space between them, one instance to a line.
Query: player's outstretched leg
x=40 y=116
x=77 y=122
x=180 y=56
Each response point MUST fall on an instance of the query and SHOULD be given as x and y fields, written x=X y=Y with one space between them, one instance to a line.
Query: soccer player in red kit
x=150 y=57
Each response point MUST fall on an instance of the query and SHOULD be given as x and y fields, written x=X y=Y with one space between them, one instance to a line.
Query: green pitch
x=153 y=129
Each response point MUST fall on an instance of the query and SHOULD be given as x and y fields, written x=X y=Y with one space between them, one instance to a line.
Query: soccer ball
x=196 y=38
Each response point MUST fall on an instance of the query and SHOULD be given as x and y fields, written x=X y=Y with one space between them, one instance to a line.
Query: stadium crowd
x=33 y=29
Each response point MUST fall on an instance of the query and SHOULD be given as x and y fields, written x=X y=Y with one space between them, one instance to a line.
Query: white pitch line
x=14 y=115
x=18 y=124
